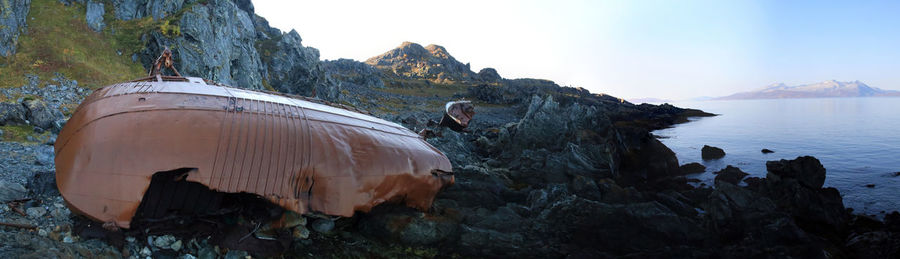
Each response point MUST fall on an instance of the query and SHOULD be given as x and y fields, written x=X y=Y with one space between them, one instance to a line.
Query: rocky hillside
x=545 y=171
x=831 y=88
x=433 y=62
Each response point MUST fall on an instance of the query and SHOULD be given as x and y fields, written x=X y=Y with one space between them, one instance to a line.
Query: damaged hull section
x=301 y=154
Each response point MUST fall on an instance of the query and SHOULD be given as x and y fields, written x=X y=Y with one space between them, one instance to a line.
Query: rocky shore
x=545 y=171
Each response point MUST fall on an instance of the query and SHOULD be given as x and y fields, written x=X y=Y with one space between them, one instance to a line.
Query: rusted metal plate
x=299 y=154
x=457 y=115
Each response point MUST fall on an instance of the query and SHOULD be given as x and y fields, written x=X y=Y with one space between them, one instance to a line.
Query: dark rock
x=796 y=186
x=489 y=75
x=871 y=185
x=94 y=16
x=12 y=23
x=730 y=174
x=216 y=43
x=892 y=221
x=875 y=244
x=491 y=242
x=12 y=113
x=407 y=226
x=692 y=168
x=710 y=152
x=10 y=191
x=347 y=71
x=644 y=158
x=323 y=225
x=807 y=170
x=432 y=62
x=576 y=221
x=293 y=68
x=767 y=151
x=42 y=115
x=129 y=9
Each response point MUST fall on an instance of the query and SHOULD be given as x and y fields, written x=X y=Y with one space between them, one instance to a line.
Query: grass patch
x=59 y=40
x=20 y=133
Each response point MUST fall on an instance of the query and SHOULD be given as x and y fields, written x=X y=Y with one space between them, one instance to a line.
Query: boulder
x=730 y=174
x=10 y=191
x=42 y=115
x=94 y=16
x=615 y=227
x=767 y=151
x=407 y=226
x=692 y=168
x=489 y=75
x=806 y=169
x=710 y=152
x=12 y=23
x=12 y=113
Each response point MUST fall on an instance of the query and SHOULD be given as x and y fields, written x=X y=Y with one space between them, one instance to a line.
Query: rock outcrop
x=489 y=75
x=136 y=9
x=94 y=16
x=710 y=152
x=730 y=174
x=432 y=62
x=12 y=23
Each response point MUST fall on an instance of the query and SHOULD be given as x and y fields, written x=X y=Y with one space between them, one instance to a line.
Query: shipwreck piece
x=301 y=154
x=457 y=115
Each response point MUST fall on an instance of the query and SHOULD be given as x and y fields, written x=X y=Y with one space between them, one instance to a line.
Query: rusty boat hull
x=301 y=154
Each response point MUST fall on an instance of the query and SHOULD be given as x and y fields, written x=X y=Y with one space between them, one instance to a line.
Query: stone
x=12 y=113
x=12 y=23
x=94 y=16
x=146 y=252
x=710 y=152
x=10 y=191
x=692 y=168
x=431 y=62
x=323 y=225
x=176 y=246
x=164 y=242
x=806 y=169
x=730 y=174
x=407 y=226
x=489 y=75
x=767 y=151
x=301 y=232
x=40 y=114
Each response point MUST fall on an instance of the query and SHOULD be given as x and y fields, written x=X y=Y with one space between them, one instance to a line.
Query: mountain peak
x=829 y=88
x=432 y=62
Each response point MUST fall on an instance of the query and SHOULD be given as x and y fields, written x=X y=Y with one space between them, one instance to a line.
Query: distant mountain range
x=829 y=88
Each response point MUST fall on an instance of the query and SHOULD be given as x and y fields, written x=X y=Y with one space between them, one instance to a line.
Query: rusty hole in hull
x=174 y=206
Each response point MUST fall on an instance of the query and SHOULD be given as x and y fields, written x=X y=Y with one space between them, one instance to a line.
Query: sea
x=856 y=139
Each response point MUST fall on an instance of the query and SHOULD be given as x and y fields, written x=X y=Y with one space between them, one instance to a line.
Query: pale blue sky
x=629 y=49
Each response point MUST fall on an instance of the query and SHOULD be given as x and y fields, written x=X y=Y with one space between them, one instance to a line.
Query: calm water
x=857 y=140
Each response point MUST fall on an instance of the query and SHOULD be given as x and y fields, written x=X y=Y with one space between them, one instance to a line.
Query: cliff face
x=12 y=23
x=226 y=42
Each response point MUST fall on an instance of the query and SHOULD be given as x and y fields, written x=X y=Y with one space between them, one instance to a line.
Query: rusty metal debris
x=457 y=115
x=18 y=225
x=303 y=155
x=163 y=61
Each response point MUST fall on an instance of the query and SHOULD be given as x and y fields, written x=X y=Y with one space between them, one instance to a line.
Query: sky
x=631 y=49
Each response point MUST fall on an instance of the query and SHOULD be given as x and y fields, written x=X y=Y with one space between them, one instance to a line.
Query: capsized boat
x=302 y=154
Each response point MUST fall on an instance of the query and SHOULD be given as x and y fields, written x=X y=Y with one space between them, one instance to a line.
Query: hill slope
x=829 y=88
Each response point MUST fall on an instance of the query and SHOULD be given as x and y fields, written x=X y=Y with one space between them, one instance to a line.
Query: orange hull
x=300 y=154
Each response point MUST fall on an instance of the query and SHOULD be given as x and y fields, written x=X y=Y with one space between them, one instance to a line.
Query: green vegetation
x=20 y=133
x=59 y=40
